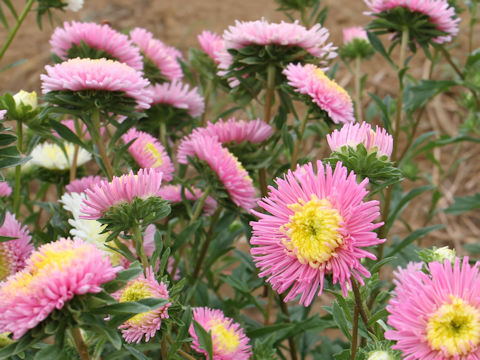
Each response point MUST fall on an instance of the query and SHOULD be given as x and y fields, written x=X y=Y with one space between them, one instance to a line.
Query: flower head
x=212 y=44
x=26 y=98
x=228 y=339
x=352 y=33
x=74 y=5
x=52 y=157
x=147 y=323
x=229 y=170
x=66 y=41
x=355 y=134
x=179 y=96
x=173 y=193
x=5 y=189
x=325 y=93
x=101 y=197
x=97 y=74
x=233 y=130
x=54 y=274
x=2 y=114
x=162 y=56
x=82 y=184
x=149 y=153
x=380 y=355
x=317 y=225
x=436 y=315
x=13 y=253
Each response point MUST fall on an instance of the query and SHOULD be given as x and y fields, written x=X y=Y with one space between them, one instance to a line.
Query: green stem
x=137 y=235
x=354 y=333
x=358 y=90
x=82 y=348
x=163 y=132
x=101 y=146
x=18 y=171
x=14 y=31
x=291 y=340
x=201 y=202
x=296 y=149
x=359 y=304
x=270 y=93
x=206 y=96
x=268 y=313
x=208 y=239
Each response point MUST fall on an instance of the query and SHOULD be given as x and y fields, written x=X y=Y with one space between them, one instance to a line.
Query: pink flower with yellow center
x=212 y=44
x=352 y=33
x=84 y=183
x=101 y=197
x=233 y=130
x=162 y=56
x=5 y=189
x=54 y=274
x=179 y=96
x=173 y=193
x=436 y=315
x=228 y=339
x=100 y=37
x=97 y=74
x=229 y=170
x=148 y=323
x=317 y=225
x=355 y=134
x=149 y=153
x=13 y=253
x=327 y=94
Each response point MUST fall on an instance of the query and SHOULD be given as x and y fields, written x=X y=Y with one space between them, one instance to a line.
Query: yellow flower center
x=242 y=169
x=134 y=292
x=152 y=150
x=454 y=327
x=331 y=84
x=19 y=284
x=53 y=258
x=4 y=268
x=313 y=231
x=226 y=339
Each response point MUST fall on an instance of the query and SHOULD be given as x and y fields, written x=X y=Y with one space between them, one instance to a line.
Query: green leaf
x=378 y=46
x=464 y=204
x=412 y=237
x=48 y=353
x=341 y=320
x=204 y=339
x=133 y=307
x=66 y=133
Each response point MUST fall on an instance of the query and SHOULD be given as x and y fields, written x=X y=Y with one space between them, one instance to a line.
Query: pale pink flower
x=439 y=13
x=352 y=33
x=316 y=224
x=233 y=130
x=54 y=274
x=355 y=134
x=147 y=323
x=212 y=44
x=173 y=193
x=13 y=253
x=179 y=96
x=228 y=339
x=97 y=74
x=84 y=183
x=436 y=314
x=148 y=152
x=5 y=189
x=229 y=170
x=327 y=94
x=2 y=114
x=100 y=37
x=101 y=197
x=163 y=56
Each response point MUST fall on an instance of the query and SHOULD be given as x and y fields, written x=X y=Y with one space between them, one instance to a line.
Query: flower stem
x=137 y=235
x=270 y=93
x=163 y=133
x=82 y=348
x=14 y=31
x=358 y=90
x=206 y=96
x=296 y=149
x=201 y=202
x=268 y=313
x=208 y=239
x=101 y=146
x=359 y=305
x=73 y=169
x=18 y=171
x=291 y=340
x=354 y=333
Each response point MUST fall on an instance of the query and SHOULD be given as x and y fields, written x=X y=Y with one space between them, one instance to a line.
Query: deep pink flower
x=100 y=37
x=84 y=183
x=352 y=33
x=54 y=274
x=5 y=189
x=228 y=339
x=163 y=56
x=148 y=323
x=149 y=153
x=317 y=224
x=436 y=316
x=98 y=74
x=233 y=130
x=173 y=193
x=179 y=96
x=212 y=44
x=13 y=253
x=229 y=170
x=101 y=197
x=327 y=94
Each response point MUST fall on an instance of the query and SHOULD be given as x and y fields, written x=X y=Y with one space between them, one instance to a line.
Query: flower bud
x=380 y=355
x=444 y=253
x=26 y=98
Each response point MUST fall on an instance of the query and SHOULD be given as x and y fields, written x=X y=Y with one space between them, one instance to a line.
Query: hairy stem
x=18 y=171
x=354 y=333
x=269 y=94
x=359 y=305
x=82 y=348
x=101 y=146
x=358 y=90
x=140 y=249
x=296 y=149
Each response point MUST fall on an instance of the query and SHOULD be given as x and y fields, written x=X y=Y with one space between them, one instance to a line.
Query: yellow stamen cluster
x=454 y=327
x=134 y=292
x=152 y=150
x=331 y=84
x=313 y=231
x=226 y=339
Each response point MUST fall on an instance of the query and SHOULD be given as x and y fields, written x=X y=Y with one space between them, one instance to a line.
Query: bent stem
x=140 y=249
x=18 y=171
x=82 y=348
x=296 y=149
x=101 y=146
x=358 y=90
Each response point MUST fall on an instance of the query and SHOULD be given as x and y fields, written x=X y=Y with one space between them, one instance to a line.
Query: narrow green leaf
x=412 y=237
x=204 y=339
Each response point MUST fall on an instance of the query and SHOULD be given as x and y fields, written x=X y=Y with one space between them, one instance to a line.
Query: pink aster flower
x=100 y=37
x=98 y=74
x=436 y=315
x=2 y=114
x=354 y=134
x=439 y=13
x=232 y=130
x=101 y=197
x=229 y=170
x=327 y=94
x=163 y=56
x=179 y=96
x=212 y=44
x=352 y=33
x=173 y=193
x=5 y=189
x=317 y=224
x=261 y=32
x=13 y=253
x=228 y=339
x=54 y=274
x=148 y=323
x=149 y=153
x=84 y=183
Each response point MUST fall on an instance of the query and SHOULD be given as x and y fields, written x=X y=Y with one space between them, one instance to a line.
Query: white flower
x=379 y=355
x=74 y=5
x=26 y=98
x=52 y=157
x=444 y=253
